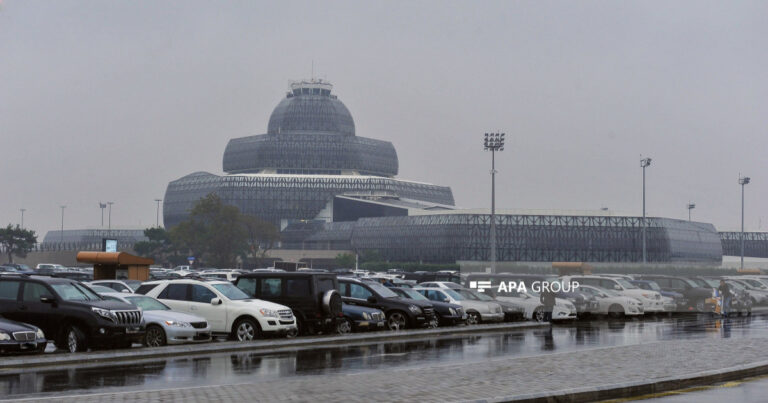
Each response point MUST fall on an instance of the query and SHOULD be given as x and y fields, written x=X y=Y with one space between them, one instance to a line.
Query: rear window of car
x=324 y=284
x=9 y=289
x=297 y=287
x=145 y=288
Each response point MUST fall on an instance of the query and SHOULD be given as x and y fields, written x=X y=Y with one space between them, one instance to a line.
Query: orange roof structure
x=113 y=258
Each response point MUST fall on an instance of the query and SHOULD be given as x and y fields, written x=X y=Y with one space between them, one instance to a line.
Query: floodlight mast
x=644 y=163
x=493 y=142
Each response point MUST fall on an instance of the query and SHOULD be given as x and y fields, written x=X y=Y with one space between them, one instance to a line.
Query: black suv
x=401 y=313
x=69 y=313
x=312 y=296
x=694 y=296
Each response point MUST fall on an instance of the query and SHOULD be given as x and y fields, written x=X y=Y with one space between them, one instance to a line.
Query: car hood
x=419 y=303
x=358 y=309
x=107 y=304
x=260 y=303
x=161 y=316
x=10 y=326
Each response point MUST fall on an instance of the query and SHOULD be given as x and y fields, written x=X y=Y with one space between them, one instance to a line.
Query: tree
x=159 y=246
x=214 y=232
x=345 y=260
x=262 y=235
x=17 y=241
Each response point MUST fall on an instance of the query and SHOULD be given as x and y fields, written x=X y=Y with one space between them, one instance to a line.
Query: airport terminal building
x=328 y=189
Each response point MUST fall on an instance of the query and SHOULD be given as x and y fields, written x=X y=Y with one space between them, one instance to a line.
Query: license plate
x=363 y=324
x=27 y=346
x=133 y=330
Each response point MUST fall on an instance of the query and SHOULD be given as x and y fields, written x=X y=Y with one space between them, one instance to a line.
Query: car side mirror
x=47 y=299
x=372 y=299
x=216 y=301
x=125 y=291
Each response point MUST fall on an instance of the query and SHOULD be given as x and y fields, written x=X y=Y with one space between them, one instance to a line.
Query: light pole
x=493 y=142
x=743 y=180
x=157 y=213
x=644 y=163
x=22 y=217
x=61 y=238
x=102 y=206
x=109 y=203
x=690 y=206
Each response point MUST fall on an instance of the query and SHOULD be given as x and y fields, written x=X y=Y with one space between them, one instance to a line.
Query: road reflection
x=245 y=367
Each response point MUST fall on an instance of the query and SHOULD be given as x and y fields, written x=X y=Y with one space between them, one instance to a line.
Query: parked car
x=74 y=316
x=73 y=275
x=401 y=313
x=441 y=284
x=477 y=311
x=423 y=276
x=227 y=308
x=226 y=275
x=446 y=313
x=756 y=290
x=357 y=318
x=99 y=289
x=651 y=299
x=673 y=301
x=534 y=310
x=512 y=310
x=20 y=268
x=312 y=296
x=128 y=286
x=612 y=303
x=164 y=325
x=17 y=337
x=695 y=296
x=742 y=301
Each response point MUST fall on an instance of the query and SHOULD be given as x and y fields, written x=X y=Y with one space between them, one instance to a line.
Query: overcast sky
x=105 y=100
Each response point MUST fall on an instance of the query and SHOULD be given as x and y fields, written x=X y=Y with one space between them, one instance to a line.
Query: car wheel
x=245 y=330
x=396 y=321
x=538 y=314
x=473 y=318
x=343 y=326
x=616 y=311
x=155 y=336
x=74 y=339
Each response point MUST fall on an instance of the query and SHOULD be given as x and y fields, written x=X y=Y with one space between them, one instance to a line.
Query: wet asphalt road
x=748 y=391
x=226 y=368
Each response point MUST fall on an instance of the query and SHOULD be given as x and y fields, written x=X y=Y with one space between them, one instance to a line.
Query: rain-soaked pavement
x=231 y=368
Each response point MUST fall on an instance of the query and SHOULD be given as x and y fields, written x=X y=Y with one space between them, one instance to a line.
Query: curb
x=640 y=388
x=265 y=346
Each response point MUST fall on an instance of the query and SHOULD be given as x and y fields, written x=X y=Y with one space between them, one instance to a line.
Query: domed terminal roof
x=310 y=132
x=310 y=107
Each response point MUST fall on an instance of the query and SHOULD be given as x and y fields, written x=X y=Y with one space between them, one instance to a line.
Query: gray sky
x=112 y=100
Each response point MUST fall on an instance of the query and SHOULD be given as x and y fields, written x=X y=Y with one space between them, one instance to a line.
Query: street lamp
x=102 y=206
x=493 y=142
x=157 y=213
x=61 y=238
x=22 y=217
x=743 y=180
x=109 y=203
x=644 y=163
x=690 y=206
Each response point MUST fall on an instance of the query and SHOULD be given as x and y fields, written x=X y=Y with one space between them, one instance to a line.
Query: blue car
x=359 y=318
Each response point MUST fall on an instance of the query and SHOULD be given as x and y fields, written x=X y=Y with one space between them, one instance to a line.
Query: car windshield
x=414 y=295
x=467 y=295
x=482 y=296
x=713 y=283
x=754 y=283
x=230 y=291
x=626 y=284
x=75 y=292
x=653 y=286
x=381 y=290
x=148 y=303
x=453 y=294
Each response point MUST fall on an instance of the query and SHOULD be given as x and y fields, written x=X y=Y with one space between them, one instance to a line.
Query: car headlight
x=452 y=311
x=268 y=313
x=39 y=334
x=366 y=316
x=4 y=336
x=414 y=309
x=177 y=323
x=105 y=313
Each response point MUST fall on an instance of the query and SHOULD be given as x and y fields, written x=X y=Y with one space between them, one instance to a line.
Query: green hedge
x=407 y=266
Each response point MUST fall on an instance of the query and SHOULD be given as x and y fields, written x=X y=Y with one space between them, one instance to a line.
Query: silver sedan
x=165 y=326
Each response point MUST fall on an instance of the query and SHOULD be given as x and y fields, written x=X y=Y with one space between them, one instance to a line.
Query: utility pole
x=22 y=217
x=102 y=206
x=691 y=206
x=109 y=203
x=743 y=180
x=644 y=163
x=157 y=213
x=493 y=142
x=61 y=237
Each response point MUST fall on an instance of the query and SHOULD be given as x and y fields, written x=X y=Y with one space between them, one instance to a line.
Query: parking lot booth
x=116 y=265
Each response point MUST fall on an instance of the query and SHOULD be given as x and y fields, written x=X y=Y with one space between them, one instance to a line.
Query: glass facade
x=536 y=238
x=755 y=244
x=94 y=236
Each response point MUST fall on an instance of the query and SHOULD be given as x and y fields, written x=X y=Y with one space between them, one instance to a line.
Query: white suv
x=652 y=301
x=227 y=309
